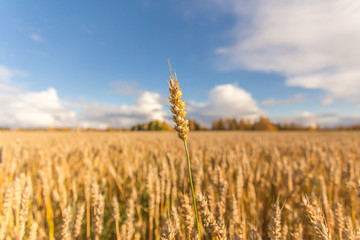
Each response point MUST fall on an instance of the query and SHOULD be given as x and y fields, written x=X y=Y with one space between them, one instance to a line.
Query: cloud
x=35 y=109
x=45 y=109
x=40 y=109
x=7 y=88
x=314 y=44
x=340 y=85
x=6 y=73
x=225 y=101
x=102 y=115
x=325 y=120
x=295 y=99
x=35 y=37
x=26 y=109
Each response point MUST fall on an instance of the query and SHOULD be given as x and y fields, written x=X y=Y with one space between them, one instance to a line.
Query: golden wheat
x=134 y=185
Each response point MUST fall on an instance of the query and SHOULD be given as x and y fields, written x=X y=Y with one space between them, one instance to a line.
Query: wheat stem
x=192 y=189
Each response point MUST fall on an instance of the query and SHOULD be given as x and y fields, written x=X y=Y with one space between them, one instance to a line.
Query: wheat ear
x=254 y=235
x=33 y=231
x=116 y=214
x=209 y=219
x=24 y=210
x=66 y=226
x=317 y=220
x=99 y=216
x=187 y=214
x=169 y=232
x=78 y=220
x=275 y=223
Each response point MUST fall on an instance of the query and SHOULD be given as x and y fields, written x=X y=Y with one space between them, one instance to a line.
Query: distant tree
x=234 y=124
x=342 y=127
x=136 y=127
x=249 y=125
x=192 y=124
x=165 y=127
x=154 y=125
x=310 y=128
x=264 y=124
x=231 y=124
x=221 y=125
x=355 y=127
x=242 y=125
x=292 y=126
x=145 y=126
x=202 y=127
x=215 y=125
x=113 y=129
x=285 y=126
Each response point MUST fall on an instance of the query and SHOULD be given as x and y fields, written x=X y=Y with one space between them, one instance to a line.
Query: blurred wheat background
x=263 y=185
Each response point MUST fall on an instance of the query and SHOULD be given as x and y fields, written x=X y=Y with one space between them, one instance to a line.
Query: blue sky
x=90 y=63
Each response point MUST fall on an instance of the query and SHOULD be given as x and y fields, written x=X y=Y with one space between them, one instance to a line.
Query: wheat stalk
x=179 y=112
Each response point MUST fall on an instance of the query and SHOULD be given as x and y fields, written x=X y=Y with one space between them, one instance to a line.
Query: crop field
x=135 y=185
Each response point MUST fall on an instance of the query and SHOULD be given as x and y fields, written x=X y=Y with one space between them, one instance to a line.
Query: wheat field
x=134 y=185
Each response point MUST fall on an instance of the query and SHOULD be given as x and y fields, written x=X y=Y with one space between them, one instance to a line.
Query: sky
x=105 y=63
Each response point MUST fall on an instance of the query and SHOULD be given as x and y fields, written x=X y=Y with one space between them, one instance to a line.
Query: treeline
x=157 y=125
x=264 y=124
x=229 y=124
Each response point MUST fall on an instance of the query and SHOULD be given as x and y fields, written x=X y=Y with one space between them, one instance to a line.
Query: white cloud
x=35 y=109
x=102 y=115
x=314 y=44
x=7 y=88
x=25 y=109
x=45 y=109
x=21 y=108
x=325 y=120
x=339 y=84
x=225 y=101
x=295 y=99
x=35 y=37
x=6 y=73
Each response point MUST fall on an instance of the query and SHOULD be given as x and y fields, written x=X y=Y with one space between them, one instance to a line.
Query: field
x=134 y=185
